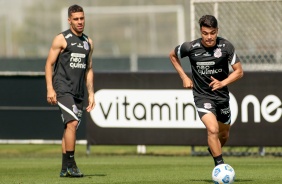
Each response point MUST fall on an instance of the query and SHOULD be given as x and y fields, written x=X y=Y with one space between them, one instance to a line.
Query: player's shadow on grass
x=243 y=180
x=88 y=175
x=236 y=181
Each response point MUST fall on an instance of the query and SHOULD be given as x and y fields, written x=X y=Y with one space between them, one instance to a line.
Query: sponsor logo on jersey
x=79 y=45
x=76 y=61
x=204 y=68
x=217 y=53
x=197 y=54
x=207 y=54
x=221 y=45
x=196 y=45
x=211 y=63
x=68 y=35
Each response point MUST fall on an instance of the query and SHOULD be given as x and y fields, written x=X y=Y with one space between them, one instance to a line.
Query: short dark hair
x=74 y=8
x=208 y=21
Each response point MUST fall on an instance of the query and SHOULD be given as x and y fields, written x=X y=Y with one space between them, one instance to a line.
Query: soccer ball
x=223 y=174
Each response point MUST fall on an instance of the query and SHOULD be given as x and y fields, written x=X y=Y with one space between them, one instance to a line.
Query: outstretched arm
x=89 y=78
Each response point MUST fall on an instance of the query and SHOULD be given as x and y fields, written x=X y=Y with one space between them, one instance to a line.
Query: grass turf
x=28 y=164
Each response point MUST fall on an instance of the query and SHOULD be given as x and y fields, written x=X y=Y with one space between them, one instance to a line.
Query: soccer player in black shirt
x=210 y=57
x=68 y=68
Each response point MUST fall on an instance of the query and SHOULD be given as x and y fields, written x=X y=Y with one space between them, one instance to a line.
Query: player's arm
x=234 y=76
x=58 y=45
x=89 y=78
x=187 y=82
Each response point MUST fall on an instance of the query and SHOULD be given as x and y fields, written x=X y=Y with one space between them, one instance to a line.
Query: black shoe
x=74 y=172
x=64 y=173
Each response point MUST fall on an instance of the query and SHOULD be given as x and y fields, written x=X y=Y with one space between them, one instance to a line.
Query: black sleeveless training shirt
x=70 y=67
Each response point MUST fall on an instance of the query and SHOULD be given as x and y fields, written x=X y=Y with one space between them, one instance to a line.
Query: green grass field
x=28 y=164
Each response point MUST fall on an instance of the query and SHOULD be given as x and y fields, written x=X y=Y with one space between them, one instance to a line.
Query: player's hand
x=91 y=103
x=187 y=83
x=51 y=97
x=215 y=84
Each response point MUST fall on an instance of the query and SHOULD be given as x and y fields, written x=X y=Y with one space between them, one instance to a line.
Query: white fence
x=253 y=26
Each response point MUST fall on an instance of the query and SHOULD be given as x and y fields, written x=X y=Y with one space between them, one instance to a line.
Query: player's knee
x=72 y=125
x=213 y=131
x=224 y=135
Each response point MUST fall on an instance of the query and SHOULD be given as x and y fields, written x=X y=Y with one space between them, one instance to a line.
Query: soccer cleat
x=64 y=173
x=78 y=171
x=74 y=172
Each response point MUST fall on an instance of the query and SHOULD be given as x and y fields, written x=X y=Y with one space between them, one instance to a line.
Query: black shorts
x=71 y=109
x=220 y=110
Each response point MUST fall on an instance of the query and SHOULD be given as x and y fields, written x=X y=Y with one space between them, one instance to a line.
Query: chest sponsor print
x=76 y=61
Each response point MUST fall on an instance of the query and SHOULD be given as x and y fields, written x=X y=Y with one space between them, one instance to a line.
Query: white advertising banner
x=162 y=108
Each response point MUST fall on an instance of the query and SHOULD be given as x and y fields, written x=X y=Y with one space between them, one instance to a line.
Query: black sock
x=209 y=151
x=218 y=160
x=70 y=158
x=64 y=162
